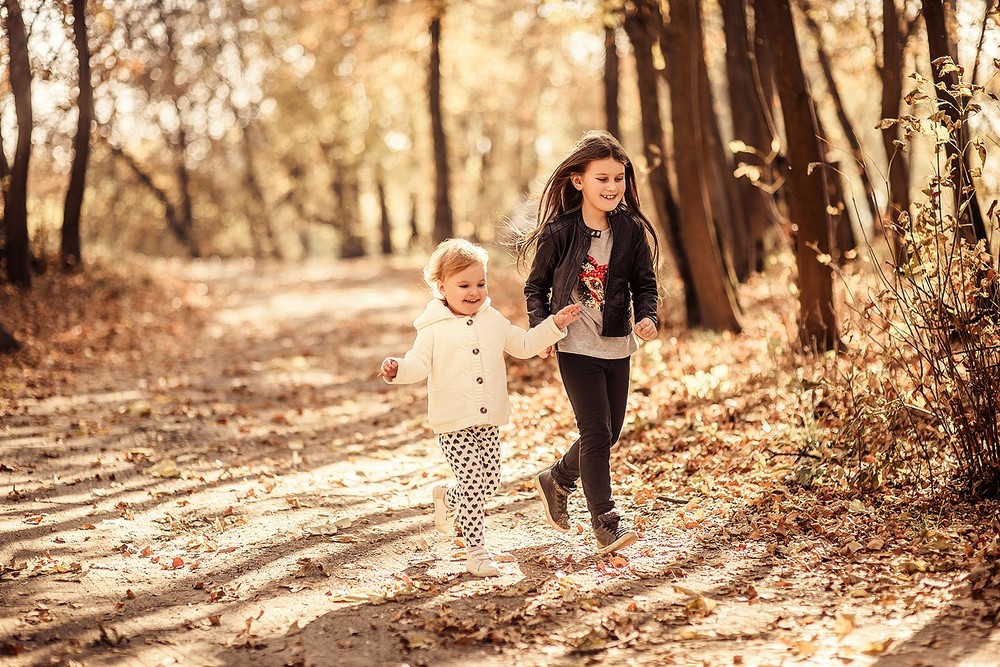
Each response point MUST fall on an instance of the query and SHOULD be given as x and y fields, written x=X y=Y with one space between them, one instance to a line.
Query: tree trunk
x=174 y=224
x=764 y=61
x=818 y=329
x=846 y=126
x=443 y=224
x=385 y=228
x=16 y=193
x=641 y=23
x=839 y=213
x=716 y=295
x=749 y=126
x=726 y=211
x=940 y=45
x=988 y=9
x=611 y=83
x=4 y=182
x=186 y=220
x=414 y=227
x=722 y=186
x=70 y=247
x=183 y=222
x=844 y=240
x=7 y=341
x=261 y=230
x=346 y=191
x=893 y=43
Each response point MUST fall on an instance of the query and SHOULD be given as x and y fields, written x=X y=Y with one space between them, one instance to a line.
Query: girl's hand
x=568 y=315
x=547 y=352
x=645 y=329
x=388 y=369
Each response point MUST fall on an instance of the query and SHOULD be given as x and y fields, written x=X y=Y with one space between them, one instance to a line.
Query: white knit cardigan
x=462 y=359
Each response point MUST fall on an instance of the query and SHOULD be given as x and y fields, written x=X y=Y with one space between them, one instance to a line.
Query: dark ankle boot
x=553 y=496
x=611 y=534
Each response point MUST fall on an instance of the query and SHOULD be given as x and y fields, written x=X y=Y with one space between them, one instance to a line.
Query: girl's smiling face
x=602 y=185
x=464 y=292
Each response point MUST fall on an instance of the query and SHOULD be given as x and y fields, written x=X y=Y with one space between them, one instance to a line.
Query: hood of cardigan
x=437 y=311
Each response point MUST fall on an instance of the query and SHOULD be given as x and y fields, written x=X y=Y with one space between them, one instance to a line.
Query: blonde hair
x=450 y=257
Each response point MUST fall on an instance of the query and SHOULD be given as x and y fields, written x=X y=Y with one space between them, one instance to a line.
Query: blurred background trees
x=341 y=128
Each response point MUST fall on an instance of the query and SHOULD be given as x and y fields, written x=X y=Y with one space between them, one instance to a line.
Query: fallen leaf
x=324 y=528
x=419 y=639
x=701 y=605
x=915 y=565
x=165 y=468
x=844 y=624
x=805 y=648
x=876 y=647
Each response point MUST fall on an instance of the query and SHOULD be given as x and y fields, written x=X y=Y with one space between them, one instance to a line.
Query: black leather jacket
x=630 y=286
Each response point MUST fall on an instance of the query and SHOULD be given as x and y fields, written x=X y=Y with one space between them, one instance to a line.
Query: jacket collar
x=614 y=218
x=437 y=311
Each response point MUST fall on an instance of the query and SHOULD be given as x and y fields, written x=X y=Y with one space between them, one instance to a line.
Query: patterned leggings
x=474 y=456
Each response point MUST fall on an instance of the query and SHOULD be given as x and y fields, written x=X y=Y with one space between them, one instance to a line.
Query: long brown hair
x=559 y=196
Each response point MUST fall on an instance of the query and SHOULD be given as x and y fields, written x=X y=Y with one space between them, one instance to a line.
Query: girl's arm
x=642 y=281
x=538 y=286
x=415 y=365
x=524 y=344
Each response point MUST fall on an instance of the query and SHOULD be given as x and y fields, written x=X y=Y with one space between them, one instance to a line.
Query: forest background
x=818 y=171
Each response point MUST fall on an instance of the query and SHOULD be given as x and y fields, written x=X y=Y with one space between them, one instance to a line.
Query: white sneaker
x=444 y=520
x=480 y=563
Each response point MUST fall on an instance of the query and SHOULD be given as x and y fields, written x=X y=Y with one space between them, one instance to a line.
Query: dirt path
x=256 y=496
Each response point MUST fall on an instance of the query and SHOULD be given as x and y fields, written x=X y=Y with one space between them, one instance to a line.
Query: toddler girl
x=459 y=349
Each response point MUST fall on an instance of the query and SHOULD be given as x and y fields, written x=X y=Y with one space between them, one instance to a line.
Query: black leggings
x=598 y=392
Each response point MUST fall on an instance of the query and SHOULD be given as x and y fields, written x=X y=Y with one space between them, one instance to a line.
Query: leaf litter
x=739 y=550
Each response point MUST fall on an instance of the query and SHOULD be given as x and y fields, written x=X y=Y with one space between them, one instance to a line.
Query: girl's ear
x=577 y=181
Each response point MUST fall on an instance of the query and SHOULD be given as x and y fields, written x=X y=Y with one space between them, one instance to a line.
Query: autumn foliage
x=928 y=404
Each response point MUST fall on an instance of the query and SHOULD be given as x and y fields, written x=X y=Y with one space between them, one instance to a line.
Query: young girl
x=593 y=247
x=459 y=348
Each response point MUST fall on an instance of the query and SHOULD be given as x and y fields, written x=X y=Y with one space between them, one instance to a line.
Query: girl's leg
x=598 y=392
x=474 y=457
x=618 y=374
